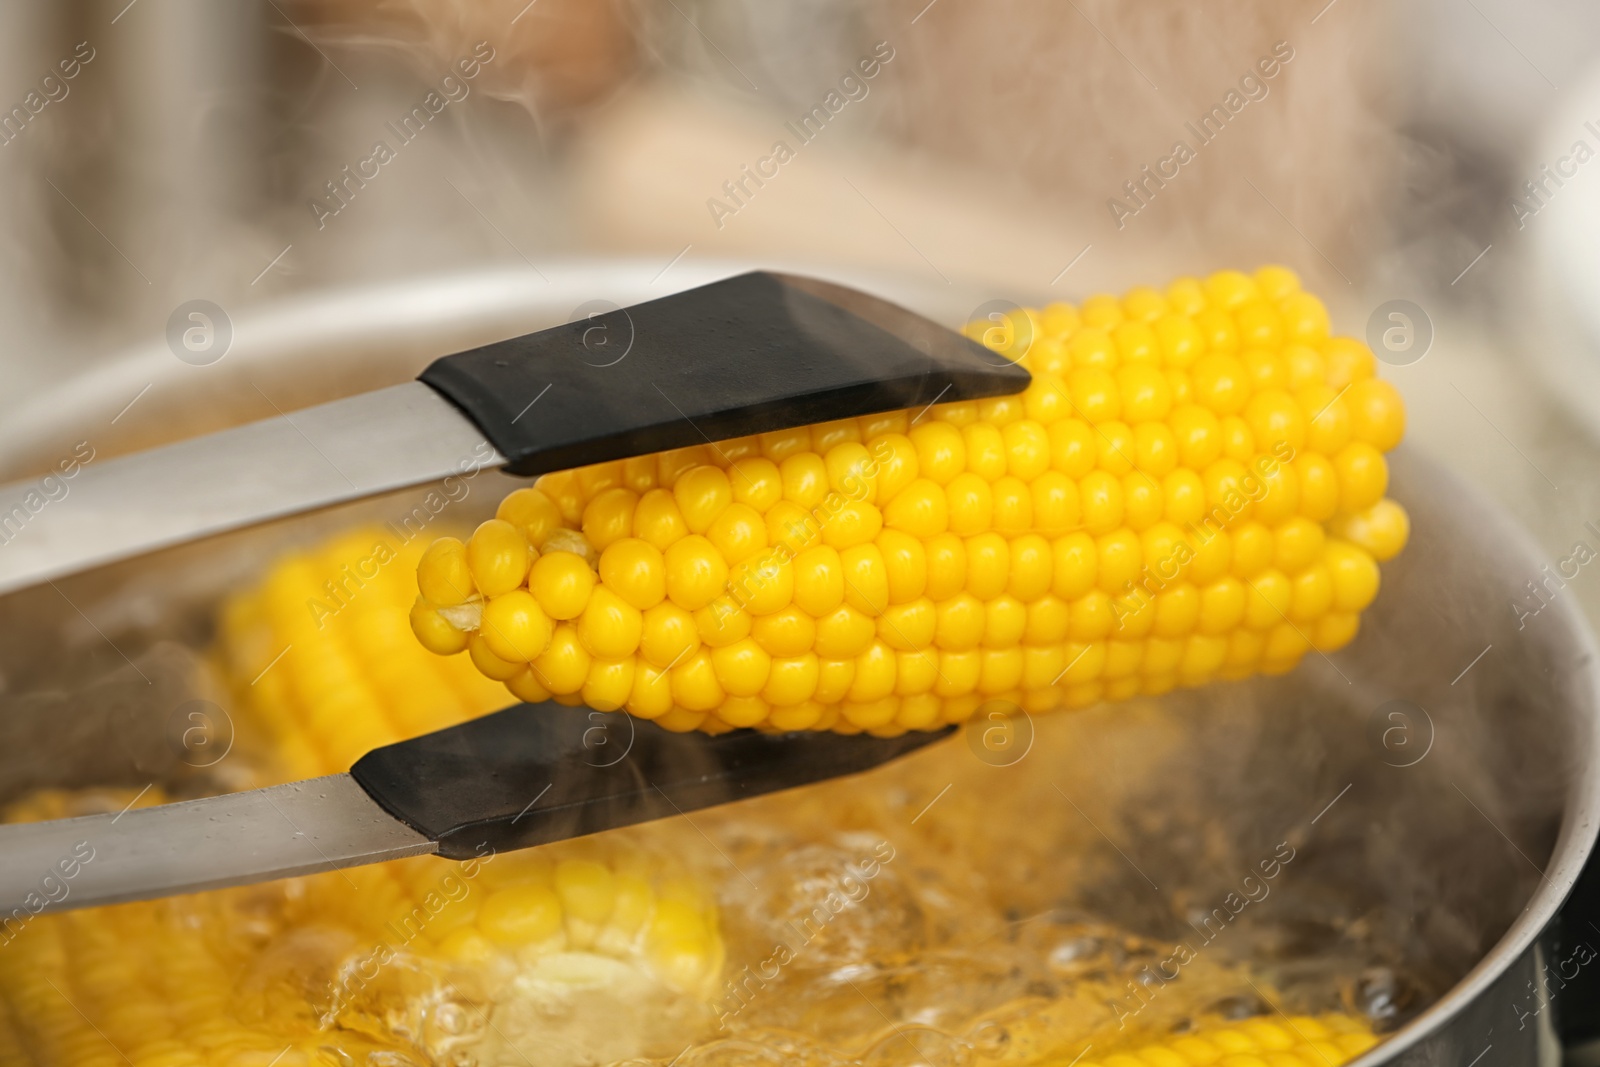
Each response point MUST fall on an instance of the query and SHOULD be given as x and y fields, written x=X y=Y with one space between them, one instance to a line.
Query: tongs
x=750 y=354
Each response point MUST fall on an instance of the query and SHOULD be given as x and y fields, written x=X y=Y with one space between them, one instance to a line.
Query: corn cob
x=1191 y=488
x=355 y=961
x=1300 y=1041
x=318 y=653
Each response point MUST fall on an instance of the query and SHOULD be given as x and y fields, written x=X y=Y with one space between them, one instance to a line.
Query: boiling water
x=962 y=909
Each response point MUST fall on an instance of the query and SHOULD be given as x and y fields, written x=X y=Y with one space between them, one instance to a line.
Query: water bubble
x=390 y=1058
x=991 y=1037
x=451 y=1018
x=1382 y=997
x=1239 y=1006
x=1074 y=954
x=927 y=1048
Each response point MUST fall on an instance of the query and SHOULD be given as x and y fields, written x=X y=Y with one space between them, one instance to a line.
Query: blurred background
x=331 y=172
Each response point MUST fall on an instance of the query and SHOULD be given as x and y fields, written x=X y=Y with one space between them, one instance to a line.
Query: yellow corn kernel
x=520 y=915
x=1264 y=1041
x=498 y=556
x=514 y=626
x=532 y=512
x=561 y=582
x=435 y=632
x=1382 y=530
x=444 y=576
x=636 y=571
x=1195 y=478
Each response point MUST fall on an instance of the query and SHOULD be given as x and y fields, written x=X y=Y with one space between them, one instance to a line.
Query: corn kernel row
x=1192 y=487
x=1264 y=1041
x=319 y=654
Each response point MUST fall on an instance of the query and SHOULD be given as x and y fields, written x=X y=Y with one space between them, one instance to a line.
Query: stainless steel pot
x=1437 y=780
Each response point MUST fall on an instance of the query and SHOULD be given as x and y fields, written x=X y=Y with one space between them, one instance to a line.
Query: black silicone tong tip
x=750 y=354
x=537 y=773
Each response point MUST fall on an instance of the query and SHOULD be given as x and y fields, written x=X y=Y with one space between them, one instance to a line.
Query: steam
x=1071 y=109
x=1063 y=106
x=555 y=55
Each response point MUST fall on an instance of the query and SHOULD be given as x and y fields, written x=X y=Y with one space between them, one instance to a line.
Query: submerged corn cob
x=418 y=962
x=319 y=654
x=353 y=961
x=380 y=963
x=1192 y=487
x=1299 y=1041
